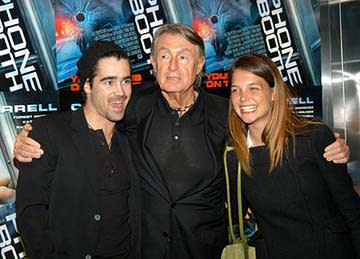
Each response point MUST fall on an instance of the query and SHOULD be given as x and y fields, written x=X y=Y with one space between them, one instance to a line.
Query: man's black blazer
x=58 y=214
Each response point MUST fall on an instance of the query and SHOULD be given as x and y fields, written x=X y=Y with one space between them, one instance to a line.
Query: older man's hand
x=25 y=148
x=338 y=152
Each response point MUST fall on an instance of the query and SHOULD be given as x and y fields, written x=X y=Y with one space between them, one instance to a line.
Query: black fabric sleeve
x=339 y=183
x=33 y=195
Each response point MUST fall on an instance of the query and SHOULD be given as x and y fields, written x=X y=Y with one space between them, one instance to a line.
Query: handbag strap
x=239 y=199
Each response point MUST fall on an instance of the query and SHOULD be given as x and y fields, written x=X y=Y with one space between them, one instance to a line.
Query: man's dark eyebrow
x=113 y=78
x=126 y=77
x=108 y=78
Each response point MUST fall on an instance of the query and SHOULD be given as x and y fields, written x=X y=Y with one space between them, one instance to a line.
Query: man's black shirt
x=113 y=195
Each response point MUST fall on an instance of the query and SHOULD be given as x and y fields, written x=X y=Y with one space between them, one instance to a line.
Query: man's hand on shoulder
x=337 y=152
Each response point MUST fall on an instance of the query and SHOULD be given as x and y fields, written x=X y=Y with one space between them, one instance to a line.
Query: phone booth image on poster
x=129 y=24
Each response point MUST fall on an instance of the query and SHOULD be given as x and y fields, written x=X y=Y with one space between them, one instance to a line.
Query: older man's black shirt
x=178 y=146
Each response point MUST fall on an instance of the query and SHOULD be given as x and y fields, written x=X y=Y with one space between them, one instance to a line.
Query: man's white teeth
x=250 y=108
x=117 y=104
x=117 y=101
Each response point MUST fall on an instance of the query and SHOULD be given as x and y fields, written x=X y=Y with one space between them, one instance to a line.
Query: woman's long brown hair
x=282 y=121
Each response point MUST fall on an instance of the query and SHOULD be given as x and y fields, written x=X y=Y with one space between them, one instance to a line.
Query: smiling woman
x=252 y=99
x=260 y=107
x=305 y=206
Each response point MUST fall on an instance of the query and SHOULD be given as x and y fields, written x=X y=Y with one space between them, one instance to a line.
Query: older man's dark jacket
x=197 y=217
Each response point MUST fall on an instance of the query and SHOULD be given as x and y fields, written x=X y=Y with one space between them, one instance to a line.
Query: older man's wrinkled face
x=176 y=63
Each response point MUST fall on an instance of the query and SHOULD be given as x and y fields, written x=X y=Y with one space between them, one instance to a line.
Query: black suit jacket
x=193 y=225
x=57 y=209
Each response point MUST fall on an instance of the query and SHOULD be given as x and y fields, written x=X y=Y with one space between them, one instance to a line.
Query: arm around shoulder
x=33 y=192
x=339 y=183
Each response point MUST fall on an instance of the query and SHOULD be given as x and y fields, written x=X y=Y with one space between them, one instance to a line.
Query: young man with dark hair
x=74 y=201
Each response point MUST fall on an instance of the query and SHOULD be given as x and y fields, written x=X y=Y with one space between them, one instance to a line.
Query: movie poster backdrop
x=41 y=41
